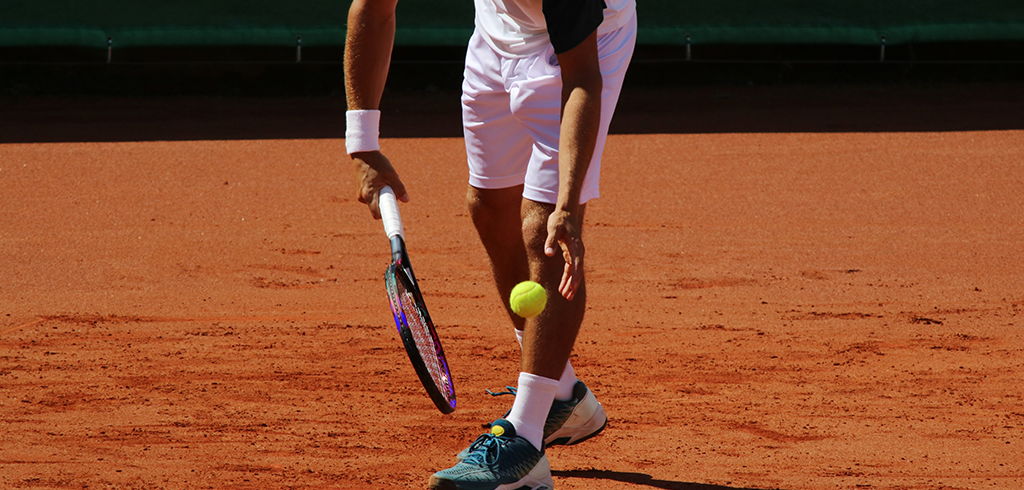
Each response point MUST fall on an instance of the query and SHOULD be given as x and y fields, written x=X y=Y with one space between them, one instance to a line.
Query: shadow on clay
x=640 y=479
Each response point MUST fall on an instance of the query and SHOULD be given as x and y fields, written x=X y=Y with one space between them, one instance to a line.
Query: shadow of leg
x=639 y=479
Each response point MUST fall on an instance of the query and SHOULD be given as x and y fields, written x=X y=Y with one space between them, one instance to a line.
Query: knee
x=476 y=204
x=535 y=225
x=494 y=211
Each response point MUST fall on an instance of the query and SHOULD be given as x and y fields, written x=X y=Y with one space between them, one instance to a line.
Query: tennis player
x=542 y=78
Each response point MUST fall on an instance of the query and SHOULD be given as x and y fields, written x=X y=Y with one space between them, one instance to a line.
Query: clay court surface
x=794 y=287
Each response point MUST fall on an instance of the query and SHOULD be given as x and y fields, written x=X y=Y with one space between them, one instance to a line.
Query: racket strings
x=423 y=336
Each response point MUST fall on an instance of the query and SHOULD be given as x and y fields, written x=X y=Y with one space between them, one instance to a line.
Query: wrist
x=362 y=131
x=569 y=202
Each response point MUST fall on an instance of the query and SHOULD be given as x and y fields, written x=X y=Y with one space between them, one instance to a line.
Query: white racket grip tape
x=388 y=204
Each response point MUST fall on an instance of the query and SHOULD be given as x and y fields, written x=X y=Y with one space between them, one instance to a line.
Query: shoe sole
x=568 y=441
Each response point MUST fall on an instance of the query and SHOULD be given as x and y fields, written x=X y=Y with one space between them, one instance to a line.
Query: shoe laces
x=485 y=450
x=511 y=391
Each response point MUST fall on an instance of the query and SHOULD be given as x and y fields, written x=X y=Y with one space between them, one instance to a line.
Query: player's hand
x=564 y=229
x=373 y=171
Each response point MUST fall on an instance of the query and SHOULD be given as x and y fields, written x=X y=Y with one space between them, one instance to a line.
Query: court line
x=182 y=319
x=34 y=323
x=121 y=319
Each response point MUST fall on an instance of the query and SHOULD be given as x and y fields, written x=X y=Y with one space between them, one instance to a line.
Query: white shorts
x=510 y=115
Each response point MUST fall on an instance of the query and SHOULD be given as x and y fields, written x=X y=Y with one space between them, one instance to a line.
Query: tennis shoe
x=574 y=421
x=569 y=422
x=499 y=460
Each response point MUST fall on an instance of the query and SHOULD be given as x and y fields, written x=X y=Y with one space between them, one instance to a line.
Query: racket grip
x=389 y=213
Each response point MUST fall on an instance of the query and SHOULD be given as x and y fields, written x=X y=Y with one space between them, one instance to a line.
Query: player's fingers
x=571 y=279
x=572 y=273
x=374 y=204
x=564 y=287
x=399 y=188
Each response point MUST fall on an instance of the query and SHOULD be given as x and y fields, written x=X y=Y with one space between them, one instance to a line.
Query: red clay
x=801 y=310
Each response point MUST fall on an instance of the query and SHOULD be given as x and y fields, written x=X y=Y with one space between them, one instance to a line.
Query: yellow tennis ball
x=528 y=299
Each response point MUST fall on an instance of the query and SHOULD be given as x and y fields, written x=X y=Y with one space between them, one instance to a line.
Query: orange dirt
x=808 y=309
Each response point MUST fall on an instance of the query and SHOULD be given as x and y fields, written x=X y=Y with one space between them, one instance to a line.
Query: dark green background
x=136 y=23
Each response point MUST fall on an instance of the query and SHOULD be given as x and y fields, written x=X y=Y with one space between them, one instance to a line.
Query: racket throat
x=399 y=255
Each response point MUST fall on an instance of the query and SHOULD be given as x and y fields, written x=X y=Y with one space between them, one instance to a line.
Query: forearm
x=581 y=116
x=581 y=120
x=368 y=45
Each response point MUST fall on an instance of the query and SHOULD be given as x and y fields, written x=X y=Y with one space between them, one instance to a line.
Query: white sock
x=530 y=410
x=566 y=383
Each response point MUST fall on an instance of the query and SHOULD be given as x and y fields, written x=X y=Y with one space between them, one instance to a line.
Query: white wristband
x=362 y=131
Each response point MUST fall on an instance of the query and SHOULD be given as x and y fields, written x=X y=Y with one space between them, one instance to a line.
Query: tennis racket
x=411 y=316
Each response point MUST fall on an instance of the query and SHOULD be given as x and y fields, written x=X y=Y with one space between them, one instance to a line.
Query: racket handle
x=389 y=213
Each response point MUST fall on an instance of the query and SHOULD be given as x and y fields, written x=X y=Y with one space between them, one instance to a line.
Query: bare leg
x=496 y=215
x=513 y=231
x=550 y=336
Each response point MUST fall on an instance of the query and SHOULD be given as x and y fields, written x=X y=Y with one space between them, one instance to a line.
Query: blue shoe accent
x=499 y=460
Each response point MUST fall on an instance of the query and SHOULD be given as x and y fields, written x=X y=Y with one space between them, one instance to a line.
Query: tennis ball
x=528 y=299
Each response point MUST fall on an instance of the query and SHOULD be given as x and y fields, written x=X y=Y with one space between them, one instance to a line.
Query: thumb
x=549 y=244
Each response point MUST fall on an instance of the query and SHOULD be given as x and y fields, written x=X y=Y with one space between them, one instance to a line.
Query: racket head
x=419 y=337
